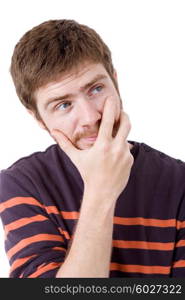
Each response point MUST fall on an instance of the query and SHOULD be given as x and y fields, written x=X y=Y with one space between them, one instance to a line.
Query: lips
x=90 y=138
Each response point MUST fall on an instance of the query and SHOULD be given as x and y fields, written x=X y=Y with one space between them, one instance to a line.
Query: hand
x=105 y=167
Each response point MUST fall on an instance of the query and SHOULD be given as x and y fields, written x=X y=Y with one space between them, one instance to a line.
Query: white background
x=147 y=39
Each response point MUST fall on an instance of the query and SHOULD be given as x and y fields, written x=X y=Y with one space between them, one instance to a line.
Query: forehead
x=74 y=79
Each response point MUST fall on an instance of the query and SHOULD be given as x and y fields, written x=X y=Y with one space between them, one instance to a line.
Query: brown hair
x=50 y=49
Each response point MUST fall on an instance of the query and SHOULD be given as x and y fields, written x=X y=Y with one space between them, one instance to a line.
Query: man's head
x=63 y=73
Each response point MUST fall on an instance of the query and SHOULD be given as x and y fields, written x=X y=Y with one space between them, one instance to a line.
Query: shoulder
x=35 y=163
x=28 y=173
x=161 y=156
x=39 y=156
x=156 y=160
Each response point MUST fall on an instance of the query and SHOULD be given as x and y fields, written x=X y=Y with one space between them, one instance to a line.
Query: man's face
x=74 y=103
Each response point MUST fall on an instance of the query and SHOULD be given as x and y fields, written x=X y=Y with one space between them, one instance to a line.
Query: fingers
x=108 y=119
x=64 y=143
x=124 y=127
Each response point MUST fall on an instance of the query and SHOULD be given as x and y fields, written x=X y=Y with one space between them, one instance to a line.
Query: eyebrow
x=68 y=96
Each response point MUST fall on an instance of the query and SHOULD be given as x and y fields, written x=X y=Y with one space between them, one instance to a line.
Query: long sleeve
x=34 y=244
x=178 y=269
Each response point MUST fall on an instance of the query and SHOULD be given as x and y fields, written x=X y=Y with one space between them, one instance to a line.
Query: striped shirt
x=40 y=199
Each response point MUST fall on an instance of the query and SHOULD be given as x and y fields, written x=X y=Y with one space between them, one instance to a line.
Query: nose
x=88 y=113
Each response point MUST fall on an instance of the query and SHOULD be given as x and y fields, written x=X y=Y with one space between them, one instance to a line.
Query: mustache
x=93 y=132
x=85 y=134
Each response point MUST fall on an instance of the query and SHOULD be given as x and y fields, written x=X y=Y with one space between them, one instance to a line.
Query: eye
x=96 y=90
x=63 y=106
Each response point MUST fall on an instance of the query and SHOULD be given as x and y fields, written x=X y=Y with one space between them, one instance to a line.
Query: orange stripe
x=18 y=201
x=70 y=215
x=59 y=248
x=75 y=215
x=22 y=222
x=181 y=243
x=180 y=224
x=33 y=239
x=65 y=233
x=145 y=222
x=140 y=269
x=179 y=264
x=143 y=245
x=40 y=270
x=19 y=262
x=65 y=214
x=118 y=220
x=52 y=210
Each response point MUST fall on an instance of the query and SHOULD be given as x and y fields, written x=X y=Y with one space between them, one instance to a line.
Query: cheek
x=61 y=124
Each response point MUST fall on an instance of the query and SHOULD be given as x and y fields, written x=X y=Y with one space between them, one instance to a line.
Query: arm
x=34 y=245
x=90 y=252
x=105 y=170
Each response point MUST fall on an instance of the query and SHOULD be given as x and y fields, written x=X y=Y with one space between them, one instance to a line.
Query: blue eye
x=63 y=106
x=97 y=89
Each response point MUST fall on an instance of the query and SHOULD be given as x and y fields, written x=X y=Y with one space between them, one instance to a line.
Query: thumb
x=63 y=141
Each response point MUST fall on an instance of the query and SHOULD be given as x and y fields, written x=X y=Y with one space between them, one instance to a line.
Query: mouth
x=90 y=139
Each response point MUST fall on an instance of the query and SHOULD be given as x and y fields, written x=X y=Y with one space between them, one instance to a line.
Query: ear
x=115 y=77
x=39 y=122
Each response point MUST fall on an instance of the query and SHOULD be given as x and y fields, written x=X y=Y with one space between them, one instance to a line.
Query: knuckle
x=118 y=149
x=130 y=159
x=128 y=124
x=104 y=146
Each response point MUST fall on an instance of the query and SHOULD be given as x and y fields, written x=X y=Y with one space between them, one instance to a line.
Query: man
x=94 y=204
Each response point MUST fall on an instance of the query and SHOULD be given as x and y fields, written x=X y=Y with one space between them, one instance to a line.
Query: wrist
x=95 y=200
